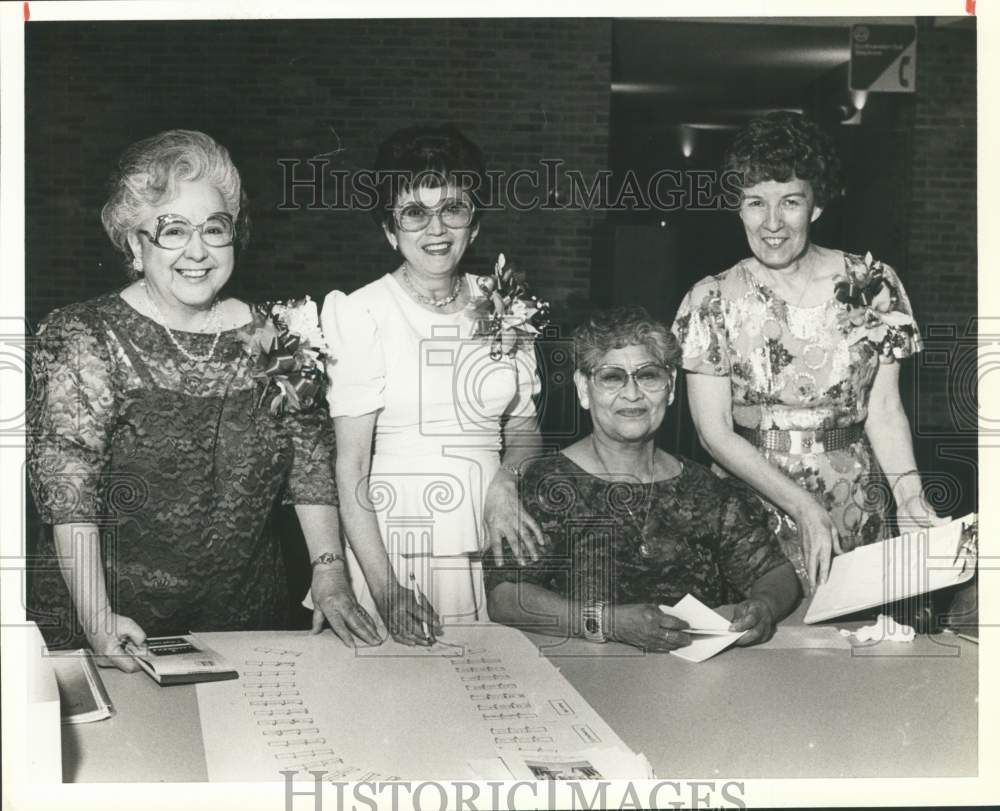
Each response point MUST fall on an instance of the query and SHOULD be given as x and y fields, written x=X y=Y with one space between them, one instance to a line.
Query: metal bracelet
x=327 y=558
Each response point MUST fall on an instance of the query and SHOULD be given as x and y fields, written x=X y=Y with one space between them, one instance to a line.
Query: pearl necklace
x=213 y=318
x=433 y=302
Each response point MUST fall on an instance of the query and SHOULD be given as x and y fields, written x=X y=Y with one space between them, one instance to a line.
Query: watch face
x=591 y=625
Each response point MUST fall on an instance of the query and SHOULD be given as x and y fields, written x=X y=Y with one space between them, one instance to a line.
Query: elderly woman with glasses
x=633 y=528
x=154 y=456
x=422 y=407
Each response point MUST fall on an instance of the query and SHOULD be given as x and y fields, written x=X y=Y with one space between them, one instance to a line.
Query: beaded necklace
x=433 y=302
x=212 y=318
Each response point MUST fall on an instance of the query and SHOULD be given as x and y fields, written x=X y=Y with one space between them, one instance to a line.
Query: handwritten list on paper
x=306 y=702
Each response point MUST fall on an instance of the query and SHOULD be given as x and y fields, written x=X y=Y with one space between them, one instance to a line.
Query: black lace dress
x=175 y=463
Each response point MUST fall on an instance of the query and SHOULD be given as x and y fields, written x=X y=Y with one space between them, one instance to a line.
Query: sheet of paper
x=894 y=569
x=696 y=614
x=714 y=636
x=391 y=712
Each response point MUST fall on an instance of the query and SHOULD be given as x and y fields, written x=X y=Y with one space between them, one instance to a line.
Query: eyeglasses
x=651 y=377
x=174 y=231
x=453 y=213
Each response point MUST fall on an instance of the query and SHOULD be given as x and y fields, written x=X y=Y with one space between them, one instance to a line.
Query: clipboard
x=898 y=568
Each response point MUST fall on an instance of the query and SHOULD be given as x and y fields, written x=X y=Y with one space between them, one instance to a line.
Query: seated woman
x=632 y=527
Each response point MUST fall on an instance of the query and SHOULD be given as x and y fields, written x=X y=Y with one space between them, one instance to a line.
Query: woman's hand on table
x=410 y=618
x=645 y=626
x=112 y=648
x=756 y=618
x=819 y=540
x=334 y=600
x=505 y=519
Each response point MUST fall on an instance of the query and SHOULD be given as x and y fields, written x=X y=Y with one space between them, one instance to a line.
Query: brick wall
x=942 y=225
x=912 y=192
x=522 y=89
x=912 y=185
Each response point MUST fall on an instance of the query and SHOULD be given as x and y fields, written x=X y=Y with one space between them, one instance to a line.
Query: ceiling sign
x=883 y=58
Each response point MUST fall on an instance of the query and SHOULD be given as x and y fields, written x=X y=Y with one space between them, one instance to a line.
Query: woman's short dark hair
x=619 y=327
x=782 y=146
x=424 y=156
x=149 y=171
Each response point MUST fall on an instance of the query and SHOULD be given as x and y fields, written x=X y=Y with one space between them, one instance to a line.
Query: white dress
x=439 y=399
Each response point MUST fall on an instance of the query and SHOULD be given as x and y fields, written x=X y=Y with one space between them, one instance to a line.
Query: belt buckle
x=805 y=442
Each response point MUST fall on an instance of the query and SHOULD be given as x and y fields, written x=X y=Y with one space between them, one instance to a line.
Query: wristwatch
x=593 y=621
x=327 y=558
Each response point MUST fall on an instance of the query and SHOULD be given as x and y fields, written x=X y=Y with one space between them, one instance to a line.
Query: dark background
x=596 y=94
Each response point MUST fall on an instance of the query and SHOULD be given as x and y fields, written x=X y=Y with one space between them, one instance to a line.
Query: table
x=889 y=710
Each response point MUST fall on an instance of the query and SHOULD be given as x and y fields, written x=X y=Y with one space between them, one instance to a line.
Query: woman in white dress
x=418 y=403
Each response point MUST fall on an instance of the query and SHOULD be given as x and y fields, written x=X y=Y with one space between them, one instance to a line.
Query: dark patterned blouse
x=177 y=464
x=625 y=542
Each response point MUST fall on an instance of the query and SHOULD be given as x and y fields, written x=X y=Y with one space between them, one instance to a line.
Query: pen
x=423 y=602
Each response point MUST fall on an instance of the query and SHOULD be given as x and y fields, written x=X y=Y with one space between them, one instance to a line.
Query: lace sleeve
x=70 y=415
x=311 y=479
x=747 y=547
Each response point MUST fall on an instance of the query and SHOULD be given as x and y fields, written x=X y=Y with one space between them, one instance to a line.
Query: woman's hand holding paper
x=756 y=618
x=111 y=647
x=646 y=626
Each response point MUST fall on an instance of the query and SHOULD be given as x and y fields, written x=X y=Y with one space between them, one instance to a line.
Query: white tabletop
x=892 y=710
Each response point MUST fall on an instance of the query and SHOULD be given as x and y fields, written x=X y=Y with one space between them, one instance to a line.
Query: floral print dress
x=805 y=368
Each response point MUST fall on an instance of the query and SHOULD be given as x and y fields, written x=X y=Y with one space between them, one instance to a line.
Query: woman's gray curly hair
x=619 y=327
x=149 y=172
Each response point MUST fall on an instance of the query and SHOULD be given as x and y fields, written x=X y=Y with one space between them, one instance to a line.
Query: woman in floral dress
x=793 y=359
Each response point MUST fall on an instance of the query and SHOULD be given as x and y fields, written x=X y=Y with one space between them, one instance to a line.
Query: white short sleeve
x=529 y=385
x=357 y=369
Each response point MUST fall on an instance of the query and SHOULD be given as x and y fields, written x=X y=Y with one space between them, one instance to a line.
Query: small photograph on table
x=554 y=770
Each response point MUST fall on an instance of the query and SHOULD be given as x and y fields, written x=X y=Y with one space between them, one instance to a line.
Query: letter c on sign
x=904 y=68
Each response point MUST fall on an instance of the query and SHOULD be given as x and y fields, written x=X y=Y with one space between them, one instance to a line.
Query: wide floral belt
x=800 y=442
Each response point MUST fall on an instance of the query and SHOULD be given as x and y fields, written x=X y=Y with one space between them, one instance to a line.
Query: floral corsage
x=871 y=307
x=505 y=313
x=290 y=354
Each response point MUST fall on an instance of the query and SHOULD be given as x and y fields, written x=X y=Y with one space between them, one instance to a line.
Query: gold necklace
x=648 y=495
